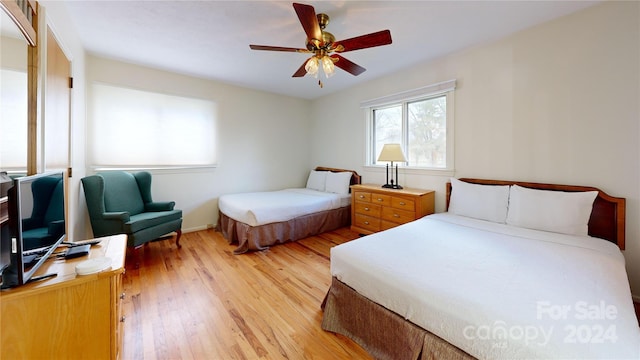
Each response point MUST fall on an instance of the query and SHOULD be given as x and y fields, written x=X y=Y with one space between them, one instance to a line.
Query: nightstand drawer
x=368 y=209
x=367 y=222
x=386 y=225
x=380 y=199
x=397 y=215
x=403 y=203
x=362 y=196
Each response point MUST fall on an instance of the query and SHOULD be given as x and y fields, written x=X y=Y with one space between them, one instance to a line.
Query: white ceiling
x=210 y=39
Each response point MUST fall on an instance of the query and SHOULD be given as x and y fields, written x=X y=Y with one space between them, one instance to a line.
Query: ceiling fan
x=324 y=47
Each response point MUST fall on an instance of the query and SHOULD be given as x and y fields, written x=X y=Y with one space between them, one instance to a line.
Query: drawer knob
x=402 y=203
x=361 y=196
x=123 y=318
x=366 y=209
x=366 y=223
x=379 y=199
x=122 y=296
x=396 y=215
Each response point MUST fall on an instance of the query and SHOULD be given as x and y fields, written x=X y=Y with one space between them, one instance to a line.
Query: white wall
x=262 y=139
x=557 y=103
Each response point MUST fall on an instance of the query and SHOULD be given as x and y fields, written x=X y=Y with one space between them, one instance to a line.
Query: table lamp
x=392 y=152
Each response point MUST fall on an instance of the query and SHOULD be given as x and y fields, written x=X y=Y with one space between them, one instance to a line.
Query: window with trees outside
x=420 y=120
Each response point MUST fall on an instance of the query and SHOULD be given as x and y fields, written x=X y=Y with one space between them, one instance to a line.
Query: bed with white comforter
x=498 y=291
x=261 y=208
x=258 y=220
x=456 y=286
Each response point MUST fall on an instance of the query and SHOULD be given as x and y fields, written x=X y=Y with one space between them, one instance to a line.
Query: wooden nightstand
x=374 y=208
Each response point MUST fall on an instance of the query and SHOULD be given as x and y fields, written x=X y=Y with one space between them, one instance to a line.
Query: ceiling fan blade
x=365 y=41
x=301 y=70
x=277 y=48
x=309 y=21
x=347 y=65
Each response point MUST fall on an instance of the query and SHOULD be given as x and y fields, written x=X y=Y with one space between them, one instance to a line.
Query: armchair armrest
x=122 y=216
x=159 y=206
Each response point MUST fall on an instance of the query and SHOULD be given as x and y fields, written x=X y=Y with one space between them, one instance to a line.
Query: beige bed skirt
x=253 y=238
x=383 y=333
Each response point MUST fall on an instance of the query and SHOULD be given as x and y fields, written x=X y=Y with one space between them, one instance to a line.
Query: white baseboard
x=196 y=228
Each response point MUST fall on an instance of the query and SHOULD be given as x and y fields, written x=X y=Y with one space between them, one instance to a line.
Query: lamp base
x=391 y=186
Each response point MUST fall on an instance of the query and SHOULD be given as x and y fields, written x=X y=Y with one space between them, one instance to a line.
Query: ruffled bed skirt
x=252 y=238
x=383 y=333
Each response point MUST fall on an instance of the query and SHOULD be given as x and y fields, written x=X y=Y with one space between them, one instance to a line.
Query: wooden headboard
x=607 y=219
x=355 y=178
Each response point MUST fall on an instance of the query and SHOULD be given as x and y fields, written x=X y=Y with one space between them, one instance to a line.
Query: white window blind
x=141 y=129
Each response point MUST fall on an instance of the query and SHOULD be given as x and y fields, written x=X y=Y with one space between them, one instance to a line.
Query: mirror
x=13 y=97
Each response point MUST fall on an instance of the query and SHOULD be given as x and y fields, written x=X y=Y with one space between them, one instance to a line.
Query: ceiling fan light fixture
x=312 y=66
x=328 y=67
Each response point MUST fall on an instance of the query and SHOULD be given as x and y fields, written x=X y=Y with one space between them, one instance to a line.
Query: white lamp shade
x=392 y=152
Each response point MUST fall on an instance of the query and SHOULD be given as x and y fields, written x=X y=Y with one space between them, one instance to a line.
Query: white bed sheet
x=498 y=291
x=260 y=208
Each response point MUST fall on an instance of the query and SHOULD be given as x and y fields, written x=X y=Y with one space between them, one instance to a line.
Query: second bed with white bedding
x=498 y=291
x=260 y=208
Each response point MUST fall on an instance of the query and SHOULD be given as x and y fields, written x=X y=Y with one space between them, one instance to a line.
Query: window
x=420 y=120
x=140 y=129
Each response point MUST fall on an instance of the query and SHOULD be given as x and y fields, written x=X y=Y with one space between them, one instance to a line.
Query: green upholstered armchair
x=46 y=223
x=120 y=203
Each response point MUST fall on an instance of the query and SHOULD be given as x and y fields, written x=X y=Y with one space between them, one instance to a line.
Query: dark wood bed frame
x=607 y=217
x=355 y=178
x=386 y=335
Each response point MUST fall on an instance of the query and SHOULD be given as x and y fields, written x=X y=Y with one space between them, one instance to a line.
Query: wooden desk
x=67 y=316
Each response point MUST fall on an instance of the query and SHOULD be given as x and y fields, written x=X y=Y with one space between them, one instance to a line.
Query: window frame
x=403 y=99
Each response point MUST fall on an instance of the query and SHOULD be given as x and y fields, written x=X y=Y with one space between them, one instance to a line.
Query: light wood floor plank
x=203 y=302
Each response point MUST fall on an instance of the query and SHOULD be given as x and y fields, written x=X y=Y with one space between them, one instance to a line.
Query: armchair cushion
x=149 y=219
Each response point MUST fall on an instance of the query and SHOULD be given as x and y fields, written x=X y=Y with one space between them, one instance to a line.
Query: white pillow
x=485 y=202
x=317 y=180
x=556 y=211
x=338 y=182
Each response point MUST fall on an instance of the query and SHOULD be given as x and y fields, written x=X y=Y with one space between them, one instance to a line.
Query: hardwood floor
x=203 y=302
